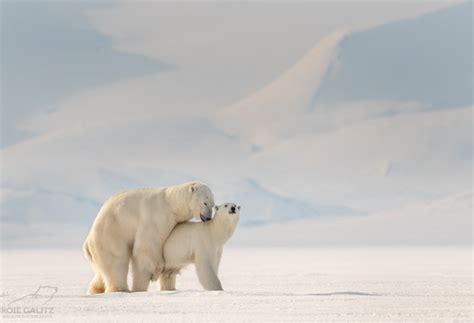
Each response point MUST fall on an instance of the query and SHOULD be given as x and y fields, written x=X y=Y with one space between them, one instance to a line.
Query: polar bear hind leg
x=97 y=285
x=116 y=279
x=110 y=271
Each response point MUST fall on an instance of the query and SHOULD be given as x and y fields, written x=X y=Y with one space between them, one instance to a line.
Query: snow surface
x=266 y=284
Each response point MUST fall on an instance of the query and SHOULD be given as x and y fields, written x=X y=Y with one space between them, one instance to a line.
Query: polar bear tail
x=87 y=252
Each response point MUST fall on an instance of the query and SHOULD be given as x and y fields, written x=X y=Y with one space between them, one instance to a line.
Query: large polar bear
x=201 y=244
x=134 y=225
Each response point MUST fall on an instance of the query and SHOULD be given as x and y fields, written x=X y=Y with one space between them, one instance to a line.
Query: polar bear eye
x=225 y=205
x=205 y=203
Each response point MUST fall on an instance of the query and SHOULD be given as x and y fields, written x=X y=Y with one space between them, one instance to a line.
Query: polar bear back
x=119 y=214
x=180 y=248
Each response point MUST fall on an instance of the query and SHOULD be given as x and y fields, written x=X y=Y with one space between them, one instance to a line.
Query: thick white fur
x=134 y=225
x=200 y=243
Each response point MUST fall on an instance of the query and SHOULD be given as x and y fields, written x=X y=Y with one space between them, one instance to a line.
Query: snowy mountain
x=445 y=221
x=427 y=60
x=365 y=152
x=262 y=206
x=307 y=145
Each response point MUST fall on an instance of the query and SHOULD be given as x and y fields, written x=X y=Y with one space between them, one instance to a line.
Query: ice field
x=261 y=284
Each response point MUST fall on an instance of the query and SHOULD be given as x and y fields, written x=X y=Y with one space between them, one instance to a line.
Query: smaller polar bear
x=200 y=243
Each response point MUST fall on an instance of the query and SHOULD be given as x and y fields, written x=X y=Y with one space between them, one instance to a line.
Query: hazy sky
x=55 y=49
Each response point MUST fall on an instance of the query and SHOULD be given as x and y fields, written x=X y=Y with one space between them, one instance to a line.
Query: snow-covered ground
x=261 y=284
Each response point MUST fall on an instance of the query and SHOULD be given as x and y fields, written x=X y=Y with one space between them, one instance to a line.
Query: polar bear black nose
x=232 y=209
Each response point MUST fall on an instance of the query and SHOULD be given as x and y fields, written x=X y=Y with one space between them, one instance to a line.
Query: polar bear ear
x=192 y=187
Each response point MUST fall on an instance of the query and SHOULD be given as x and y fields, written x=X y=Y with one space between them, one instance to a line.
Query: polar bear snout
x=201 y=202
x=234 y=210
x=207 y=216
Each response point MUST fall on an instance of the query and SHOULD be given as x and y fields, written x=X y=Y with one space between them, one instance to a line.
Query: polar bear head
x=225 y=220
x=202 y=201
x=228 y=210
